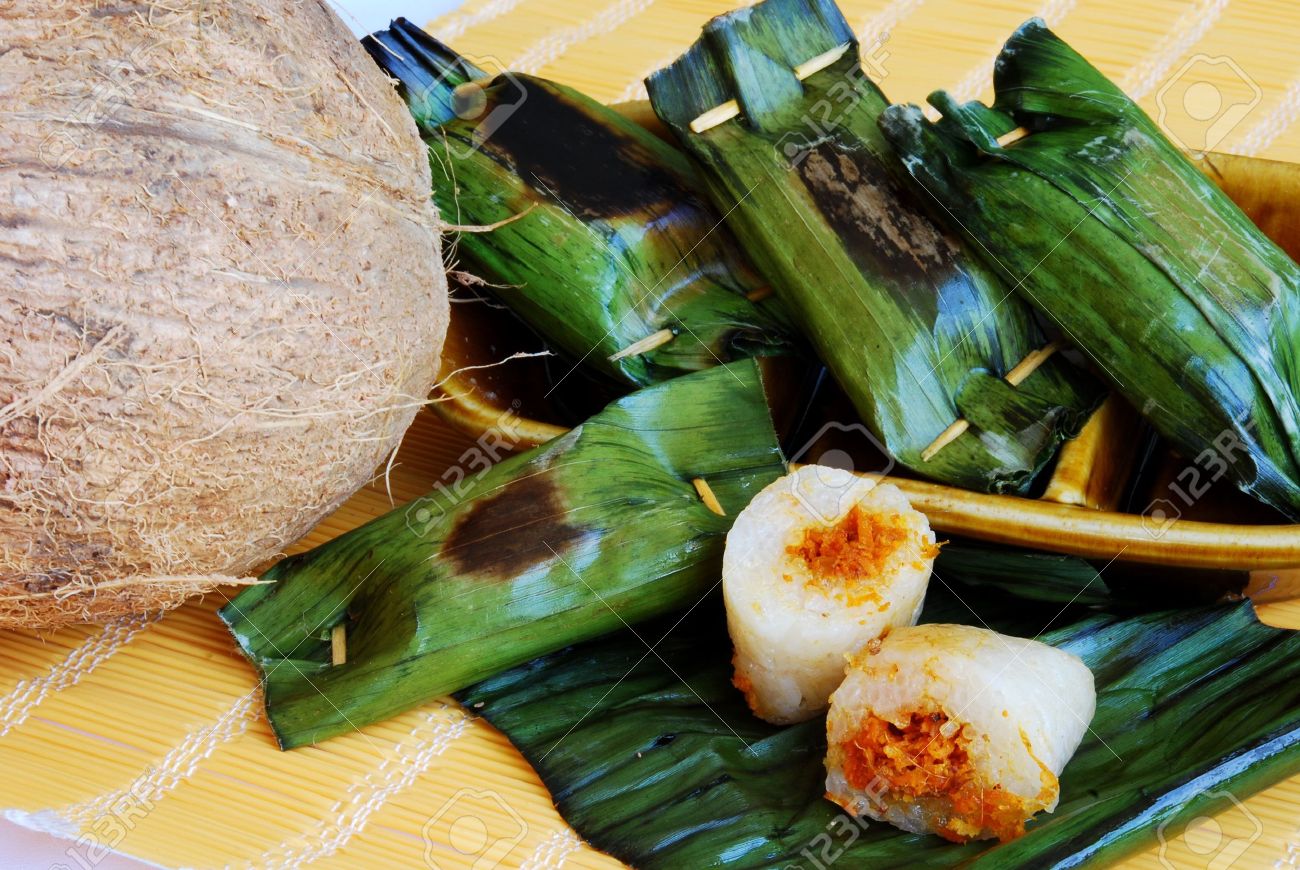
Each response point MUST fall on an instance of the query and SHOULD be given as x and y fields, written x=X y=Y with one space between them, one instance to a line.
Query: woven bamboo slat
x=146 y=736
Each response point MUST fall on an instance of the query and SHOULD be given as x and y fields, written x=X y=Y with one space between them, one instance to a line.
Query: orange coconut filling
x=746 y=686
x=840 y=557
x=922 y=761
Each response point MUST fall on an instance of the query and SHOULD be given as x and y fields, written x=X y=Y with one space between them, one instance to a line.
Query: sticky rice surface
x=792 y=620
x=1013 y=712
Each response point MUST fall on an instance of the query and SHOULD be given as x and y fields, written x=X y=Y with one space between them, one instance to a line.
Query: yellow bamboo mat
x=146 y=737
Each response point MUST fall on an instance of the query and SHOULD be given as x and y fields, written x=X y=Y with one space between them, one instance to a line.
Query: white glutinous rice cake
x=955 y=730
x=818 y=564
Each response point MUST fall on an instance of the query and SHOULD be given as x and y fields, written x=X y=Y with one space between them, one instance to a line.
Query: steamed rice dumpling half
x=1183 y=303
x=600 y=243
x=817 y=565
x=955 y=730
x=925 y=339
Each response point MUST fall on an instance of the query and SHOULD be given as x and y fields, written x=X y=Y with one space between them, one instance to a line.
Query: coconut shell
x=221 y=293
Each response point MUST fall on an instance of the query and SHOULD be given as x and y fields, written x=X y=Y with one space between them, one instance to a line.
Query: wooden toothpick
x=706 y=495
x=645 y=345
x=1014 y=136
x=1015 y=378
x=715 y=116
x=946 y=437
x=1026 y=366
x=339 y=645
x=731 y=109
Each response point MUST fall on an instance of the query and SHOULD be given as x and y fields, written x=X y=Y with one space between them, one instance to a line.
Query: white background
x=21 y=849
x=363 y=16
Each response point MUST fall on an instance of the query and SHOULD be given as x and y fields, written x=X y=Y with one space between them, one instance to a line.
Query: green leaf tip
x=427 y=71
x=1038 y=73
x=750 y=55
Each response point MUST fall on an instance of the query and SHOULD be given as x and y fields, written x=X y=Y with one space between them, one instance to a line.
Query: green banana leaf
x=1041 y=576
x=595 y=530
x=609 y=242
x=1024 y=574
x=917 y=331
x=659 y=762
x=1109 y=230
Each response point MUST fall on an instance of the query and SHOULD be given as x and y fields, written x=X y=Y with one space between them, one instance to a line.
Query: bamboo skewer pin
x=645 y=345
x=1014 y=136
x=706 y=495
x=663 y=336
x=712 y=118
x=731 y=109
x=1015 y=378
x=339 y=645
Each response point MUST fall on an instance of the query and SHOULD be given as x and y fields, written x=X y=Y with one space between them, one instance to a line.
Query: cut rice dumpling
x=1184 y=304
x=817 y=565
x=601 y=243
x=925 y=339
x=956 y=730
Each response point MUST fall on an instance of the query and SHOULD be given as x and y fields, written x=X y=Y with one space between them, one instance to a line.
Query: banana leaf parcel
x=594 y=531
x=1180 y=301
x=605 y=244
x=919 y=333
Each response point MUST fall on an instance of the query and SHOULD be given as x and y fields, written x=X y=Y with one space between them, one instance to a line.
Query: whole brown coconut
x=221 y=294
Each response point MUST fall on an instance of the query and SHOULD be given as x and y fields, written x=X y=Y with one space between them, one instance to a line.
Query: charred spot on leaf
x=522 y=526
x=885 y=233
x=664 y=740
x=572 y=158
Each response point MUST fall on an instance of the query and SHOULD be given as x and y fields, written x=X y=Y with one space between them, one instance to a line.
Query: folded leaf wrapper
x=1189 y=310
x=598 y=529
x=661 y=764
x=917 y=332
x=608 y=242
